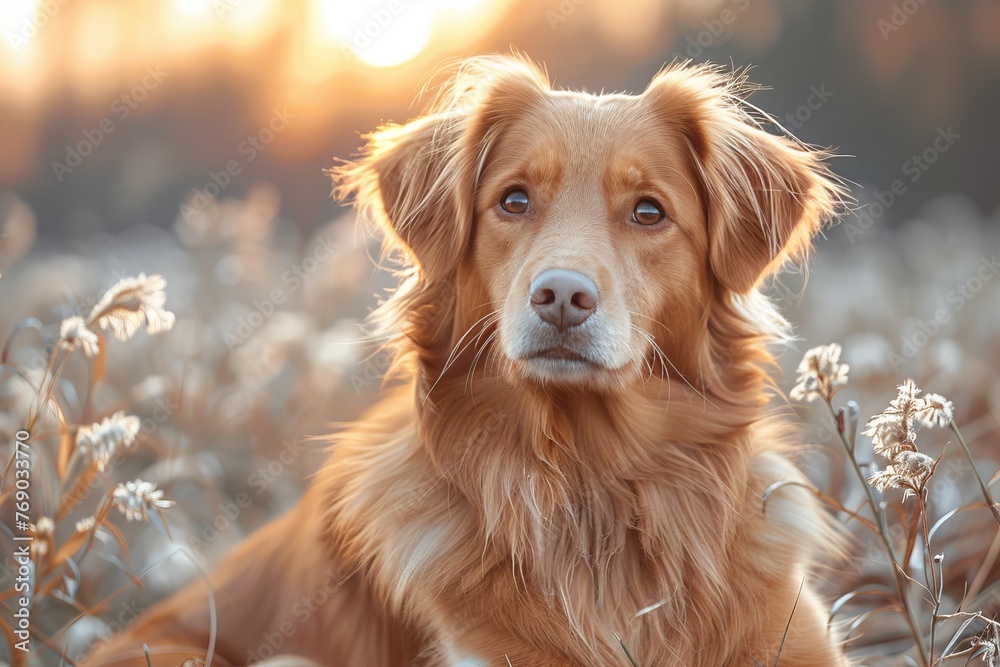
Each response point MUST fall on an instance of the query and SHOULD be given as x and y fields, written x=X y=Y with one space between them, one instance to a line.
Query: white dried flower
x=820 y=374
x=895 y=429
x=44 y=534
x=86 y=524
x=129 y=303
x=894 y=435
x=136 y=499
x=937 y=411
x=73 y=333
x=101 y=439
x=908 y=471
x=987 y=647
x=914 y=465
x=45 y=527
x=892 y=432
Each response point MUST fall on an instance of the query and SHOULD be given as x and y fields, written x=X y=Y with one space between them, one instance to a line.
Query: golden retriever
x=568 y=462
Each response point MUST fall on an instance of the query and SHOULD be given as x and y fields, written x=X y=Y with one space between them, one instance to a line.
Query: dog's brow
x=623 y=174
x=539 y=166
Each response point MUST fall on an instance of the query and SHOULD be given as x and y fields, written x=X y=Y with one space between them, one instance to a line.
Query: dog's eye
x=514 y=201
x=647 y=212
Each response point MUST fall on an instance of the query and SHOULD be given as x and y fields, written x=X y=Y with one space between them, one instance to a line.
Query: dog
x=568 y=462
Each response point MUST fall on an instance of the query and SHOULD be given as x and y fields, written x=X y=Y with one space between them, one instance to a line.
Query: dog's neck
x=551 y=481
x=558 y=478
x=579 y=493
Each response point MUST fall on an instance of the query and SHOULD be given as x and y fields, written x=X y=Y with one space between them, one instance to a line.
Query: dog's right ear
x=417 y=181
x=412 y=181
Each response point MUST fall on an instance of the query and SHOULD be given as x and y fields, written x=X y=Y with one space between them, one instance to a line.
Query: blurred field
x=270 y=282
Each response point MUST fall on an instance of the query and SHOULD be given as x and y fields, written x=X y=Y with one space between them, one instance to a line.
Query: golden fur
x=497 y=508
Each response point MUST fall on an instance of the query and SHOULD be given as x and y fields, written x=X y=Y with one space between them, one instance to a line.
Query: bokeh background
x=188 y=138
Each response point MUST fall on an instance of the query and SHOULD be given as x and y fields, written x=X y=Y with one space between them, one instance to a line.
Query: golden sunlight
x=96 y=45
x=194 y=7
x=18 y=23
x=383 y=34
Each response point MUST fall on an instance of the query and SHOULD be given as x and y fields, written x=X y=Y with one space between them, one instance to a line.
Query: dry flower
x=129 y=303
x=908 y=471
x=86 y=524
x=44 y=534
x=101 y=439
x=73 y=333
x=820 y=374
x=937 y=411
x=894 y=435
x=895 y=429
x=987 y=647
x=136 y=499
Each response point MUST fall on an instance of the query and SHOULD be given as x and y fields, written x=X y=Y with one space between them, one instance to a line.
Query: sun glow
x=384 y=33
x=20 y=21
x=194 y=7
x=99 y=44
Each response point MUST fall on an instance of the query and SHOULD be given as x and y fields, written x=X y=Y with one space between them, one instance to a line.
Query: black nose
x=563 y=298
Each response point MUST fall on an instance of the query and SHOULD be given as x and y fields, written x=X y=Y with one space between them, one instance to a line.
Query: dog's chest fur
x=501 y=535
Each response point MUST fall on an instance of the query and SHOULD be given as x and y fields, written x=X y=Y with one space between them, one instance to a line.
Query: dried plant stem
x=99 y=516
x=982 y=485
x=938 y=594
x=52 y=373
x=929 y=577
x=883 y=532
x=36 y=405
x=935 y=583
x=984 y=570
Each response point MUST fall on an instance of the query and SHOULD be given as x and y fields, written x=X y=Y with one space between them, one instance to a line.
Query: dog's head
x=584 y=239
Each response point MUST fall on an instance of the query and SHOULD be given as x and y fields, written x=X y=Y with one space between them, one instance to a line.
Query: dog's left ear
x=765 y=196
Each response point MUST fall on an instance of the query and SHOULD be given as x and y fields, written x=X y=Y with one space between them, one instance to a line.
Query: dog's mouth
x=583 y=354
x=560 y=353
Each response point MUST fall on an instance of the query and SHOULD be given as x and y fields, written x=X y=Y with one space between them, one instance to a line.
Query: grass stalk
x=982 y=485
x=901 y=585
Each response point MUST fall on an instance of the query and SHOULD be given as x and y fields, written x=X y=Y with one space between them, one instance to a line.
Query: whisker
x=664 y=357
x=456 y=353
x=475 y=360
x=658 y=352
x=666 y=328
